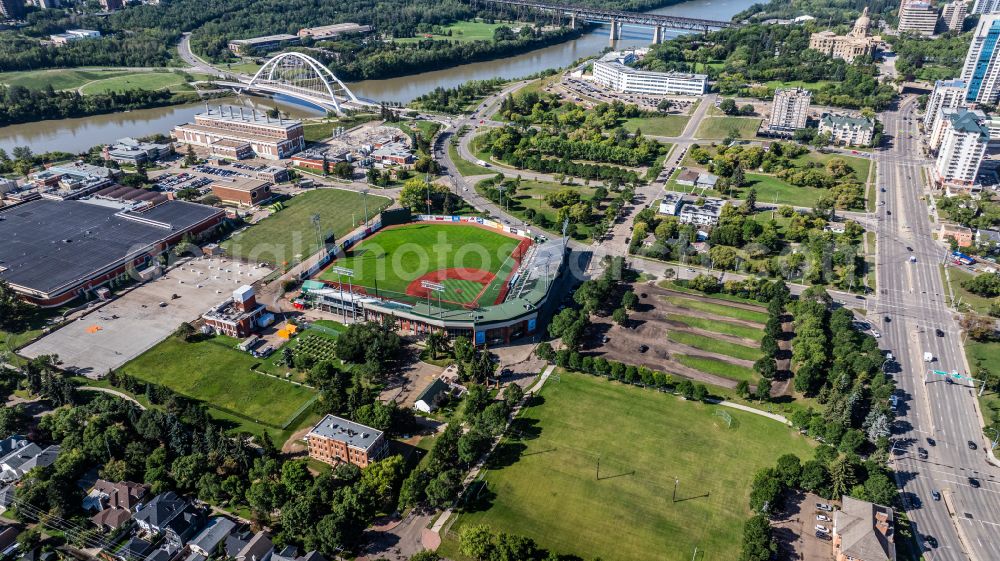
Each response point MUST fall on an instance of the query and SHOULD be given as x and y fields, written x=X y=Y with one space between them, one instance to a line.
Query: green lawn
x=59 y=79
x=314 y=132
x=717 y=367
x=719 y=309
x=461 y=31
x=144 y=81
x=289 y=235
x=465 y=167
x=968 y=299
x=543 y=480
x=719 y=127
x=215 y=372
x=393 y=258
x=859 y=165
x=716 y=326
x=714 y=345
x=531 y=195
x=667 y=125
x=770 y=189
x=244 y=67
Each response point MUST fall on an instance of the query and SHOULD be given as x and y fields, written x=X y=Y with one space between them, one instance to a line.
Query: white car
x=822 y=528
x=824 y=506
x=876 y=334
x=822 y=518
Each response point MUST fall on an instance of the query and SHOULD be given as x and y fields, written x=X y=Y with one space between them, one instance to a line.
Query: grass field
x=719 y=127
x=969 y=301
x=215 y=372
x=144 y=81
x=718 y=309
x=717 y=367
x=714 y=345
x=716 y=326
x=461 y=31
x=543 y=481
x=59 y=79
x=667 y=125
x=531 y=194
x=771 y=189
x=465 y=167
x=289 y=235
x=391 y=259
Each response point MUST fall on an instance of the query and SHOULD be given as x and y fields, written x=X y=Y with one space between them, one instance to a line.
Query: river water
x=77 y=135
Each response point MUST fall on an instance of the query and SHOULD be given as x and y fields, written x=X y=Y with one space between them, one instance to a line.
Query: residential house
x=174 y=517
x=863 y=531
x=962 y=235
x=212 y=537
x=259 y=548
x=23 y=457
x=291 y=553
x=115 y=502
x=687 y=178
x=706 y=181
x=707 y=213
x=990 y=238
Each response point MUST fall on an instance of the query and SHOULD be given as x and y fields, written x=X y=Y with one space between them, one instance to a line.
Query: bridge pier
x=572 y=20
x=615 y=30
x=657 y=35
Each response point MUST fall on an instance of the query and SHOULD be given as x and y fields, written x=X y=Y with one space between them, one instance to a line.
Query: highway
x=938 y=416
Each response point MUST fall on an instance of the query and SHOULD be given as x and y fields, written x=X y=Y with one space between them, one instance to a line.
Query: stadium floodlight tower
x=435 y=287
x=341 y=273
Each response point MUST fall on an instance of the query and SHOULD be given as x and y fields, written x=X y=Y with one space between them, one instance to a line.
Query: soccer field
x=471 y=262
x=289 y=235
x=592 y=470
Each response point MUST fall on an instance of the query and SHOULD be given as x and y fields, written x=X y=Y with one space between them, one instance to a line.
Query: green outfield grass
x=714 y=345
x=719 y=309
x=667 y=125
x=717 y=367
x=393 y=258
x=215 y=372
x=290 y=236
x=716 y=326
x=543 y=481
x=143 y=81
x=719 y=127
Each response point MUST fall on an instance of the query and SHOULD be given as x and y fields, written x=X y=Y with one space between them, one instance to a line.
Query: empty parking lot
x=119 y=331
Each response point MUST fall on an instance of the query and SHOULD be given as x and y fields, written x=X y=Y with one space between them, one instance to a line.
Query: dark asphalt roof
x=51 y=246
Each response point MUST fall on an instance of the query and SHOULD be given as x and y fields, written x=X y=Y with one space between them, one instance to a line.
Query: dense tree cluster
x=416 y=193
x=921 y=58
x=830 y=12
x=756 y=54
x=21 y=105
x=459 y=98
x=970 y=212
x=482 y=543
x=985 y=284
x=141 y=47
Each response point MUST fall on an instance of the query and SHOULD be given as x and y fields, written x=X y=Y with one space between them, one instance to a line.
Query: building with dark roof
x=55 y=251
x=432 y=396
x=174 y=517
x=334 y=440
x=847 y=130
x=212 y=537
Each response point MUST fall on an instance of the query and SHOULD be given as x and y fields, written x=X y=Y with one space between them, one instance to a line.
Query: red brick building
x=334 y=440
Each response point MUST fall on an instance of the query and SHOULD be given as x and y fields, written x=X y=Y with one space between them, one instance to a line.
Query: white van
x=928 y=357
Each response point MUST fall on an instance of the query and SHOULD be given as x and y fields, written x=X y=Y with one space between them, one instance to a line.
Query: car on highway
x=908 y=248
x=886 y=319
x=973 y=482
x=913 y=259
x=938 y=332
x=972 y=445
x=922 y=453
x=930 y=542
x=935 y=495
x=824 y=506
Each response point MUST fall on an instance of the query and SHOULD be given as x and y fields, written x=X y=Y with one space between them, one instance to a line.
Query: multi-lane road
x=935 y=415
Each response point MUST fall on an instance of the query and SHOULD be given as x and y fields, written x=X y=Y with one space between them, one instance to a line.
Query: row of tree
x=22 y=105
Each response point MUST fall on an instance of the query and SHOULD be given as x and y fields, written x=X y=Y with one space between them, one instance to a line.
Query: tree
x=764 y=491
x=758 y=545
x=620 y=316
x=189 y=158
x=728 y=106
x=436 y=341
x=751 y=203
x=12 y=308
x=630 y=300
x=841 y=476
x=980 y=328
x=343 y=170
x=738 y=178
x=444 y=488
x=788 y=469
x=477 y=542
x=295 y=477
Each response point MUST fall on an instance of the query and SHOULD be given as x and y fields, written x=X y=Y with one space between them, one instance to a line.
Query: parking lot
x=795 y=529
x=117 y=332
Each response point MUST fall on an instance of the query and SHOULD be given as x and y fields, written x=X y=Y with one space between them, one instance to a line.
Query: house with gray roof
x=432 y=396
x=211 y=538
x=174 y=517
x=259 y=548
x=863 y=531
x=24 y=457
x=291 y=553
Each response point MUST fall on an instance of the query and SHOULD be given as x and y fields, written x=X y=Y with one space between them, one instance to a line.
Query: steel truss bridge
x=302 y=77
x=615 y=18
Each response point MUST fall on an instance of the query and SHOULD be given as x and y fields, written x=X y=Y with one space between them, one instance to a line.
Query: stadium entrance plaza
x=124 y=328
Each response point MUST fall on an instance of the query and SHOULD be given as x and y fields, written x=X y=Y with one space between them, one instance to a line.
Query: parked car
x=822 y=528
x=824 y=506
x=822 y=518
x=931 y=441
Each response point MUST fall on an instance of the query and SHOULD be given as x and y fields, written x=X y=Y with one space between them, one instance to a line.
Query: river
x=77 y=135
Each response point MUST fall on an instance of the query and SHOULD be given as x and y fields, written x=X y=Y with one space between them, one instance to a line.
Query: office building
x=918 y=17
x=986 y=6
x=789 y=110
x=847 y=130
x=74 y=35
x=953 y=15
x=947 y=94
x=241 y=134
x=848 y=47
x=334 y=440
x=863 y=531
x=12 y=9
x=962 y=149
x=981 y=70
x=333 y=31
x=705 y=214
x=132 y=151
x=249 y=192
x=265 y=44
x=612 y=71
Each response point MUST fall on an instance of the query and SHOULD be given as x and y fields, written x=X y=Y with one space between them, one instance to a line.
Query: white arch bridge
x=302 y=77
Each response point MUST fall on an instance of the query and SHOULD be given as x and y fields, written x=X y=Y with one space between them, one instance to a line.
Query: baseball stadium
x=463 y=275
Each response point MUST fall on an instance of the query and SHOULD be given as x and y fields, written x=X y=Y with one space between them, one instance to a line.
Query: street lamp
x=341 y=273
x=435 y=287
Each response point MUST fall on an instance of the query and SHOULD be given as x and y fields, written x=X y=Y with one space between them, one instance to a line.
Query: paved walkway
x=115 y=393
x=748 y=409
